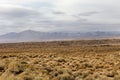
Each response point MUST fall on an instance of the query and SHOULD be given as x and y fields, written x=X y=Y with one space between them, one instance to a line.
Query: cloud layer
x=59 y=15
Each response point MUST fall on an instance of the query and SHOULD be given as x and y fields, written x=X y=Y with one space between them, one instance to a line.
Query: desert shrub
x=82 y=74
x=24 y=62
x=111 y=74
x=60 y=59
x=2 y=66
x=16 y=67
x=48 y=69
x=77 y=73
x=58 y=74
x=28 y=78
x=87 y=65
x=65 y=77
x=4 y=56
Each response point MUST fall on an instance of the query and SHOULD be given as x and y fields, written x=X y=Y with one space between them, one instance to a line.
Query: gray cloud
x=88 y=13
x=18 y=13
x=60 y=15
x=24 y=18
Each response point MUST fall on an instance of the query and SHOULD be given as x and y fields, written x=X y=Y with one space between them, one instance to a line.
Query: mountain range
x=37 y=36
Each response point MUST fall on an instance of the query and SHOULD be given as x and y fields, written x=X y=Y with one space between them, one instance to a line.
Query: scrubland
x=61 y=60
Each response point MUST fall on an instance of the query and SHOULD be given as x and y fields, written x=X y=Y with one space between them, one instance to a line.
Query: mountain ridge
x=31 y=35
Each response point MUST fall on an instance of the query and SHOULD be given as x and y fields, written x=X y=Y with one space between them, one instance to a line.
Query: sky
x=59 y=15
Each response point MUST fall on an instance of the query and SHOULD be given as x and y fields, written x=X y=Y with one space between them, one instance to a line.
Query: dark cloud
x=88 y=13
x=58 y=12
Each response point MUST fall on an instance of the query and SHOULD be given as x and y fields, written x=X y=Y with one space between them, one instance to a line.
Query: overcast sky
x=59 y=15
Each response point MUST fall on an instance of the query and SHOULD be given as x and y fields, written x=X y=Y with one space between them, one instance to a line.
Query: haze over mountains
x=36 y=36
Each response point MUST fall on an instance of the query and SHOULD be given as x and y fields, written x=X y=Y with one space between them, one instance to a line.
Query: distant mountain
x=30 y=35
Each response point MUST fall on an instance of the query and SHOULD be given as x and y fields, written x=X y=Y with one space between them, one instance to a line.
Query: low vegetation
x=65 y=60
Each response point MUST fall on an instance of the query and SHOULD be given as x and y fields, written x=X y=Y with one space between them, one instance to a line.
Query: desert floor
x=61 y=60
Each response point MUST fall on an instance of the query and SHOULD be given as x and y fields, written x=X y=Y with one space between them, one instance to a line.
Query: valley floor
x=62 y=60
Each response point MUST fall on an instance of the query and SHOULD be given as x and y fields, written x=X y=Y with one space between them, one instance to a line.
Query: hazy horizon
x=59 y=15
x=28 y=30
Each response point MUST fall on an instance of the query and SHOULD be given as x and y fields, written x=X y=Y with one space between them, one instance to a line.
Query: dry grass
x=71 y=60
